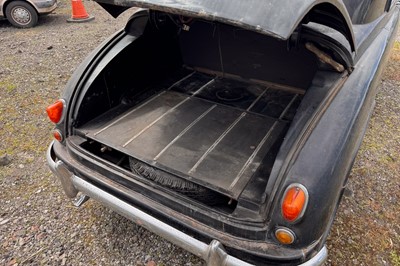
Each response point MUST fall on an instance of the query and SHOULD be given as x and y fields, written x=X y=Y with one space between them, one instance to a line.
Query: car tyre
x=21 y=14
x=176 y=184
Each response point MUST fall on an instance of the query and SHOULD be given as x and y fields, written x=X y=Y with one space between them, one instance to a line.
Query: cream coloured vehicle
x=25 y=14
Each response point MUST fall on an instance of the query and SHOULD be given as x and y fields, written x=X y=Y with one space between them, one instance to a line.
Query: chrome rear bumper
x=214 y=253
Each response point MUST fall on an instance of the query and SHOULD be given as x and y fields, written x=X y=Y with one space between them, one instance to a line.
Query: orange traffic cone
x=79 y=13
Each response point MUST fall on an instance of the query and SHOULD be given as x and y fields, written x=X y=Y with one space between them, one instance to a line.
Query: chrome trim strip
x=182 y=79
x=253 y=155
x=184 y=131
x=155 y=121
x=256 y=100
x=288 y=106
x=202 y=87
x=212 y=147
x=128 y=113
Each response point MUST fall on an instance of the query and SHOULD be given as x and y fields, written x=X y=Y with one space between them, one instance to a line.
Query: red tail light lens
x=294 y=202
x=55 y=111
x=57 y=135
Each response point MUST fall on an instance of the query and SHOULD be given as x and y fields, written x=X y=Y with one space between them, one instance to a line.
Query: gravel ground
x=39 y=226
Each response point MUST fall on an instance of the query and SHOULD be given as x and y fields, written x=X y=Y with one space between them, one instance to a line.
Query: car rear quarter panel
x=43 y=6
x=323 y=163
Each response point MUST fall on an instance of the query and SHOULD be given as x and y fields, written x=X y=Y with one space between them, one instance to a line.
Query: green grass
x=396 y=45
x=395 y=258
x=8 y=86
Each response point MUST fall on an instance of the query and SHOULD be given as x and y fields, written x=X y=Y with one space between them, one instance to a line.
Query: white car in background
x=25 y=14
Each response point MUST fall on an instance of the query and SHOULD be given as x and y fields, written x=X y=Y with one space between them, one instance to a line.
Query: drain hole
x=230 y=95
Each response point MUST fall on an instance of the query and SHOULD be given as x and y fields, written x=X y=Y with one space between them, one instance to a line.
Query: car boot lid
x=277 y=18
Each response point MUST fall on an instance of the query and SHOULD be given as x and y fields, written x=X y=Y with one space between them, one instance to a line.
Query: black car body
x=227 y=127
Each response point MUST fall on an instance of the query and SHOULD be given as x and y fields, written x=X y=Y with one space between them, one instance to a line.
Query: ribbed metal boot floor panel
x=206 y=134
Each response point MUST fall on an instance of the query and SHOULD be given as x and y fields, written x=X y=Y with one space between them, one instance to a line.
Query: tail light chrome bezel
x=287 y=232
x=301 y=214
x=62 y=117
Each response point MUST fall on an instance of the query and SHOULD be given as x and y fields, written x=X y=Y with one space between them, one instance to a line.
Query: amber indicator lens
x=294 y=203
x=57 y=135
x=284 y=236
x=55 y=110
